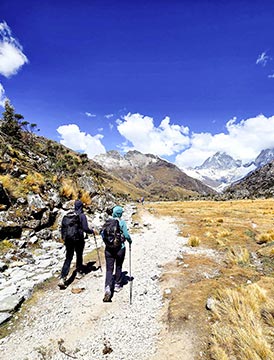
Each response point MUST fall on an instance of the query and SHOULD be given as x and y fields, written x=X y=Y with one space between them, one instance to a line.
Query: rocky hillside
x=155 y=176
x=259 y=183
x=38 y=176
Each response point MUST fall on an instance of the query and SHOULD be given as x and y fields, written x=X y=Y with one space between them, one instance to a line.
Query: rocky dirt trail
x=67 y=325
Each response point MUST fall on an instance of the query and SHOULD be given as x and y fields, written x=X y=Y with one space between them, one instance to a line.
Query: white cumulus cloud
x=141 y=134
x=12 y=57
x=2 y=96
x=75 y=139
x=244 y=141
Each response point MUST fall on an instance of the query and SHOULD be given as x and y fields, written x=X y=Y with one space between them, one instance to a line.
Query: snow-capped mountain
x=264 y=157
x=221 y=170
x=219 y=161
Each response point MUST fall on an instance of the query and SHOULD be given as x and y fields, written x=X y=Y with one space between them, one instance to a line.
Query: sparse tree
x=13 y=124
x=10 y=123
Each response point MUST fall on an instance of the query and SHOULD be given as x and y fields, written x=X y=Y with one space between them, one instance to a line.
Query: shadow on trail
x=86 y=269
x=125 y=278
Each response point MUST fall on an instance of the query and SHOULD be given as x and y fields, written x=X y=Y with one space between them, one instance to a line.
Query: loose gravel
x=64 y=325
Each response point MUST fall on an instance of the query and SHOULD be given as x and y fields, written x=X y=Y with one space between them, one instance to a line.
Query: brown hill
x=155 y=176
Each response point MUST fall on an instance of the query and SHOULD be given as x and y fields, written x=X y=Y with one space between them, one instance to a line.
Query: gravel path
x=64 y=325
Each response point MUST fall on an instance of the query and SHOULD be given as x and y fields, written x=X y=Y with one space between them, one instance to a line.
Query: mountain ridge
x=152 y=173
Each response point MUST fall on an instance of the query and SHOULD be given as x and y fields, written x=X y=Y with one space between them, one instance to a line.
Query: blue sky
x=179 y=79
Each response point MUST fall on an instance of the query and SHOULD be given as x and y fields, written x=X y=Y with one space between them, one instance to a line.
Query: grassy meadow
x=228 y=262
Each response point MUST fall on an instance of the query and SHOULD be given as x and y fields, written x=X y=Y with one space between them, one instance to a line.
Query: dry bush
x=6 y=180
x=267 y=251
x=238 y=255
x=266 y=237
x=223 y=234
x=34 y=182
x=5 y=245
x=14 y=186
x=217 y=353
x=243 y=324
x=193 y=241
x=85 y=197
x=69 y=189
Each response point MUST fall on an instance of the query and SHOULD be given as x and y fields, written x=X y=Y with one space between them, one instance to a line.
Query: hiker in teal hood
x=116 y=256
x=117 y=212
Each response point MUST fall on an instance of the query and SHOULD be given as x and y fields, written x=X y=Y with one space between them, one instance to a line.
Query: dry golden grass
x=234 y=222
x=5 y=246
x=238 y=255
x=266 y=237
x=85 y=197
x=123 y=189
x=69 y=189
x=34 y=182
x=243 y=319
x=14 y=186
x=193 y=241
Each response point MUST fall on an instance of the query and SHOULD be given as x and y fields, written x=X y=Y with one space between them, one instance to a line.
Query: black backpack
x=112 y=234
x=71 y=227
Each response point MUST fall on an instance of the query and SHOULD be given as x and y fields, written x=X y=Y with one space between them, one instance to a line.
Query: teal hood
x=117 y=211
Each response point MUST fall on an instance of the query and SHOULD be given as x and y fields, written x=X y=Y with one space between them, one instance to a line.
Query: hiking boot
x=79 y=275
x=117 y=288
x=107 y=296
x=62 y=283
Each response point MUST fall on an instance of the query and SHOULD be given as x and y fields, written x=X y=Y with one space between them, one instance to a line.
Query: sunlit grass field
x=231 y=262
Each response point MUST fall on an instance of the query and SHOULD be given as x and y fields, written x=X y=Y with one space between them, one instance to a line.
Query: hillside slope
x=38 y=165
x=259 y=183
x=152 y=174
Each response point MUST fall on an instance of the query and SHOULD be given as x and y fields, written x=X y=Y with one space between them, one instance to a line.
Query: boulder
x=48 y=218
x=5 y=317
x=32 y=224
x=35 y=201
x=4 y=199
x=54 y=199
x=86 y=182
x=11 y=303
x=44 y=234
x=9 y=230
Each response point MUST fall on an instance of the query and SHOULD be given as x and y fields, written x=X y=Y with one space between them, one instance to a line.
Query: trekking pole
x=131 y=283
x=100 y=266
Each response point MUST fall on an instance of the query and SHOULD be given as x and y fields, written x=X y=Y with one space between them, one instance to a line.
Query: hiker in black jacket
x=77 y=244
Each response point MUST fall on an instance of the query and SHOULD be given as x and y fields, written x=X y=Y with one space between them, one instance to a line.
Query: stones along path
x=64 y=325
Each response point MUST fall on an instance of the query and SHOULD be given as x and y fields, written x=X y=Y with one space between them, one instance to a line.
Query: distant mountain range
x=221 y=170
x=219 y=173
x=152 y=174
